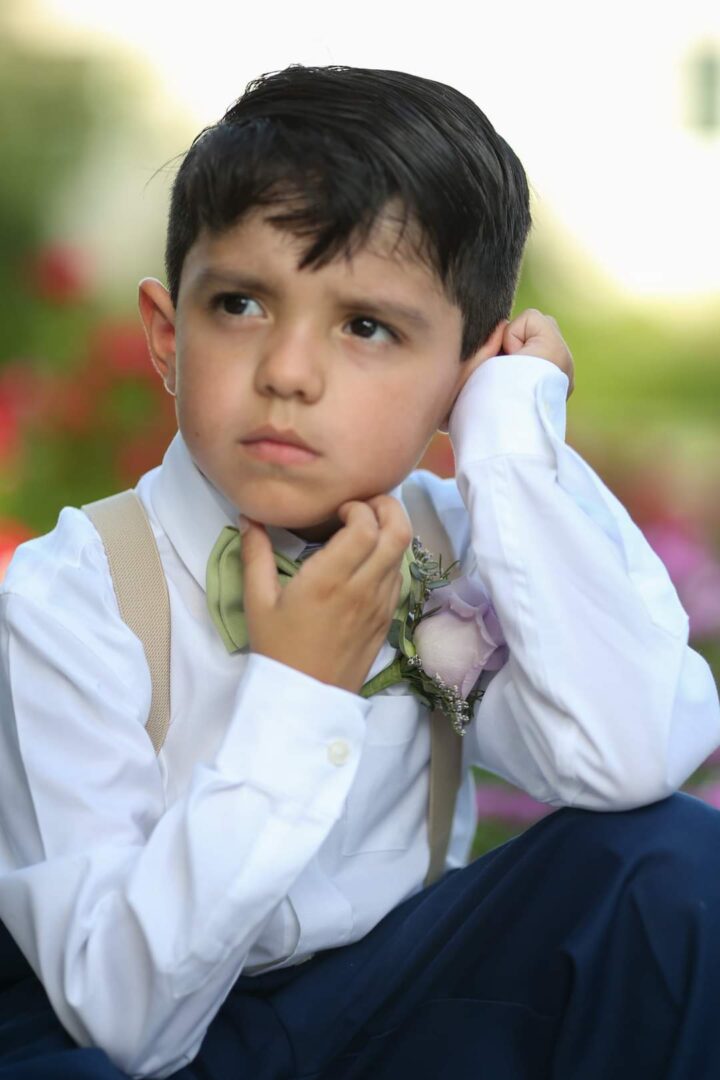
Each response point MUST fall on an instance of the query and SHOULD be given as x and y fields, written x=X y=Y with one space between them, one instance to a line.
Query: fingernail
x=243 y=525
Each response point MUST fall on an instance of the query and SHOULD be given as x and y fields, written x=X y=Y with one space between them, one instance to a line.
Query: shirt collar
x=193 y=512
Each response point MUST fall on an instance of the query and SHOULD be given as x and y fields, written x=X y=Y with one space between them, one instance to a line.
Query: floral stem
x=387 y=677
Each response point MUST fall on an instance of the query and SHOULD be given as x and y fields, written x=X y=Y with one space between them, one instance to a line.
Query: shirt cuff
x=294 y=736
x=509 y=405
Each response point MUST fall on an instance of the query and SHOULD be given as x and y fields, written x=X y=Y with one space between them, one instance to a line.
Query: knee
x=643 y=886
x=677 y=839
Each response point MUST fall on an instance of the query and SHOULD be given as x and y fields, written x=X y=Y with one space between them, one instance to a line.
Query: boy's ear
x=492 y=346
x=158 y=316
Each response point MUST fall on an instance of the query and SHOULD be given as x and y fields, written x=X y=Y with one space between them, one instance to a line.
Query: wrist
x=509 y=405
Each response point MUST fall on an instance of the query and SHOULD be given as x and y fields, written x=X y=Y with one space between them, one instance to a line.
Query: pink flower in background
x=508 y=804
x=462 y=639
x=694 y=570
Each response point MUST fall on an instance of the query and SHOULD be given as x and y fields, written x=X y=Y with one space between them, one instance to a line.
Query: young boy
x=250 y=901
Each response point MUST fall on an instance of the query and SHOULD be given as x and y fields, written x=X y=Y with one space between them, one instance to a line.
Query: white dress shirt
x=284 y=815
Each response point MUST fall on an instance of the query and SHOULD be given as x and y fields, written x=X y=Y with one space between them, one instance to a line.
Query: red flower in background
x=73 y=407
x=144 y=452
x=9 y=432
x=60 y=274
x=12 y=533
x=120 y=348
x=22 y=394
x=21 y=388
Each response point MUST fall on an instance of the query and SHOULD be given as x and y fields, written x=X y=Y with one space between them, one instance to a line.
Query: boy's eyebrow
x=379 y=306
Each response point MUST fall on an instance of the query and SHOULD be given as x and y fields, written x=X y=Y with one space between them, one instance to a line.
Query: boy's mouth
x=279 y=452
x=286 y=437
x=284 y=447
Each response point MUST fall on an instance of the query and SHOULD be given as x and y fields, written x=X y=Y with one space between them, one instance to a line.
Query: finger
x=391 y=586
x=394 y=537
x=512 y=342
x=528 y=324
x=515 y=333
x=261 y=586
x=349 y=547
x=396 y=583
x=393 y=520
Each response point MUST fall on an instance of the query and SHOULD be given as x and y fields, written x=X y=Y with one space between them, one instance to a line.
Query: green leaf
x=394 y=633
x=417 y=593
x=416 y=572
x=406 y=641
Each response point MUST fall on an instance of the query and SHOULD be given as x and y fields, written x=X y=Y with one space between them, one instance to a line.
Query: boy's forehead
x=383 y=256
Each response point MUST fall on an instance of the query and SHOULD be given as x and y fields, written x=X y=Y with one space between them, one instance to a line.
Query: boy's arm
x=601 y=703
x=138 y=918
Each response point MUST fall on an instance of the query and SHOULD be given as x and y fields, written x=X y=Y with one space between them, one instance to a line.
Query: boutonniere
x=447 y=634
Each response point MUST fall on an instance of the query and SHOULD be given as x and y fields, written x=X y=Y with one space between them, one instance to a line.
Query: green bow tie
x=224 y=587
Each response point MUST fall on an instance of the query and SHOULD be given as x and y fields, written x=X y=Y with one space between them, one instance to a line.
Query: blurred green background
x=83 y=414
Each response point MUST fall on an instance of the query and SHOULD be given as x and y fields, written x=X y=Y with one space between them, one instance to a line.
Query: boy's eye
x=233 y=304
x=374 y=322
x=230 y=302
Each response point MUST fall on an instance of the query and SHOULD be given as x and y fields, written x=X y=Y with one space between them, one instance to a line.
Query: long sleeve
x=602 y=704
x=125 y=906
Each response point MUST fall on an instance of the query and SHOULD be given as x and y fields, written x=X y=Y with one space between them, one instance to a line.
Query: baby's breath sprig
x=427 y=574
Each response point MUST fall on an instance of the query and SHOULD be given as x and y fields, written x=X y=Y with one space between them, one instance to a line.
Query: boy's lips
x=284 y=446
x=285 y=437
x=281 y=452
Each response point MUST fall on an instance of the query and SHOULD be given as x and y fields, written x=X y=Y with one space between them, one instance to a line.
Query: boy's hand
x=534 y=334
x=531 y=333
x=331 y=618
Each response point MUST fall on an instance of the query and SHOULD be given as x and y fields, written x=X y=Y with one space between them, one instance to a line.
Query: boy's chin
x=302 y=525
x=315 y=534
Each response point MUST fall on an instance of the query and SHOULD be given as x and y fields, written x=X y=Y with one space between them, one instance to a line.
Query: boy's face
x=303 y=350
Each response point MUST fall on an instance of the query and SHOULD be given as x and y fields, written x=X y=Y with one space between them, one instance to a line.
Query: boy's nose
x=291 y=368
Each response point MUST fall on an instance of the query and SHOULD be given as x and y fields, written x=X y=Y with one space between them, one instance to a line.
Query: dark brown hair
x=334 y=146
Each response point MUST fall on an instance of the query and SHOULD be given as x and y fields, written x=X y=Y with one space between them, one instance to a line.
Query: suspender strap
x=445 y=745
x=445 y=776
x=141 y=590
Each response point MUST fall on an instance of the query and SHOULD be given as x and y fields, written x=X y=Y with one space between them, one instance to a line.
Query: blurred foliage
x=45 y=126
x=81 y=410
x=635 y=366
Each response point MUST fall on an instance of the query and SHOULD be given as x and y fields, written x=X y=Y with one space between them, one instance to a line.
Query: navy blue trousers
x=586 y=948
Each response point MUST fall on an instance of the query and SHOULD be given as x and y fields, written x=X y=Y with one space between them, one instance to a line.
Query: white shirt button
x=338 y=752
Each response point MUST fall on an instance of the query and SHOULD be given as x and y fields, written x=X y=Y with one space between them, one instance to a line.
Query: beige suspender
x=141 y=589
x=142 y=594
x=445 y=745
